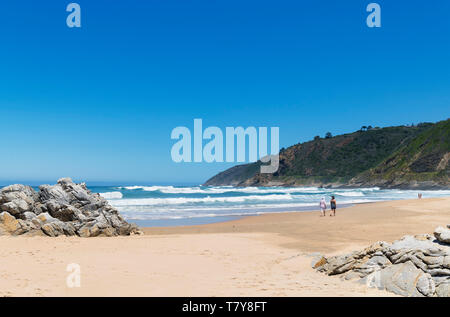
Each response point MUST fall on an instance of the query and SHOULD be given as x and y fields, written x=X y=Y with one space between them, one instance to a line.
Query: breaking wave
x=112 y=195
x=183 y=202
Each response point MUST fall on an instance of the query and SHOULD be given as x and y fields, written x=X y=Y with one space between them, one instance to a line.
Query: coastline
x=206 y=220
x=355 y=224
x=156 y=206
x=414 y=185
x=268 y=255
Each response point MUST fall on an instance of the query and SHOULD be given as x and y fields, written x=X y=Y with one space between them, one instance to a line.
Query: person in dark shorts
x=333 y=206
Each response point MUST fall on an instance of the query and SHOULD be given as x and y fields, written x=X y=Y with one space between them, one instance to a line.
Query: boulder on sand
x=412 y=266
x=402 y=279
x=63 y=209
x=17 y=199
x=442 y=234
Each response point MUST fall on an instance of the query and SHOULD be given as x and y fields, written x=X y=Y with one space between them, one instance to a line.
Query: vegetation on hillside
x=424 y=158
x=371 y=156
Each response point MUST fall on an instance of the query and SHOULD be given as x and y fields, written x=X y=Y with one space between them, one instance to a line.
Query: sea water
x=190 y=205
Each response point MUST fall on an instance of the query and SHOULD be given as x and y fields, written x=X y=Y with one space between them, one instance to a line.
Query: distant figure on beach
x=419 y=195
x=323 y=206
x=333 y=206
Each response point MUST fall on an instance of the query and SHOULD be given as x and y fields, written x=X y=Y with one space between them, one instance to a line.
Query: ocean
x=190 y=205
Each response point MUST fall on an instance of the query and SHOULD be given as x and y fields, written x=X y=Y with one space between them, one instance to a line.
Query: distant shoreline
x=200 y=221
x=343 y=186
x=362 y=224
x=205 y=221
x=168 y=206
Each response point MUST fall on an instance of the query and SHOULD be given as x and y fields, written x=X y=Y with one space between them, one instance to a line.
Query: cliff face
x=407 y=157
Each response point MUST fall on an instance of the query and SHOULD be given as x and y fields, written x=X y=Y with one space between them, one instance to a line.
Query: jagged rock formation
x=412 y=266
x=63 y=209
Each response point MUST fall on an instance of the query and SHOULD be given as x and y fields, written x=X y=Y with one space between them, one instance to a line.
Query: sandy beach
x=267 y=255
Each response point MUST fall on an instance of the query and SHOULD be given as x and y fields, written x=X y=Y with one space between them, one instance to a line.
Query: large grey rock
x=64 y=212
x=402 y=279
x=29 y=215
x=17 y=199
x=58 y=228
x=62 y=209
x=422 y=243
x=412 y=266
x=443 y=290
x=371 y=264
x=360 y=261
x=442 y=234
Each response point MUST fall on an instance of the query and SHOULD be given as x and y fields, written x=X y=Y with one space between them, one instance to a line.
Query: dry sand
x=267 y=255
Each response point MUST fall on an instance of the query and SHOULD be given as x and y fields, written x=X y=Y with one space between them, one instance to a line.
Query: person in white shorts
x=323 y=206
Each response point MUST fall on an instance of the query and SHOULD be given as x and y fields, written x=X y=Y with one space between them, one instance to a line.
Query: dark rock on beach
x=56 y=210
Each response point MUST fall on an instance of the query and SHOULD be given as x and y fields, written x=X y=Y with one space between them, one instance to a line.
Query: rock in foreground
x=412 y=266
x=63 y=209
x=442 y=234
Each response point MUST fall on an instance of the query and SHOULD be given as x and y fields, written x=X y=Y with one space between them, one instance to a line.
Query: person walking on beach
x=323 y=206
x=333 y=206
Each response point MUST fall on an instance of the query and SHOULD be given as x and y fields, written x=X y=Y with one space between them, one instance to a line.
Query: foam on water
x=351 y=194
x=219 y=190
x=112 y=195
x=182 y=200
x=156 y=202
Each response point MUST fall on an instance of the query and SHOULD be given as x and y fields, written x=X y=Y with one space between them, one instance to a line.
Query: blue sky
x=99 y=103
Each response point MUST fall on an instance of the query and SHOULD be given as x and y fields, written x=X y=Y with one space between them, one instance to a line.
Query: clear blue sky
x=99 y=103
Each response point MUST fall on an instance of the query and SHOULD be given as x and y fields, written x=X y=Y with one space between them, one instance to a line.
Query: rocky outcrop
x=413 y=266
x=63 y=209
x=442 y=234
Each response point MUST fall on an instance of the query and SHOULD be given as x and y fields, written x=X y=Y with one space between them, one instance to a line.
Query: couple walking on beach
x=323 y=206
